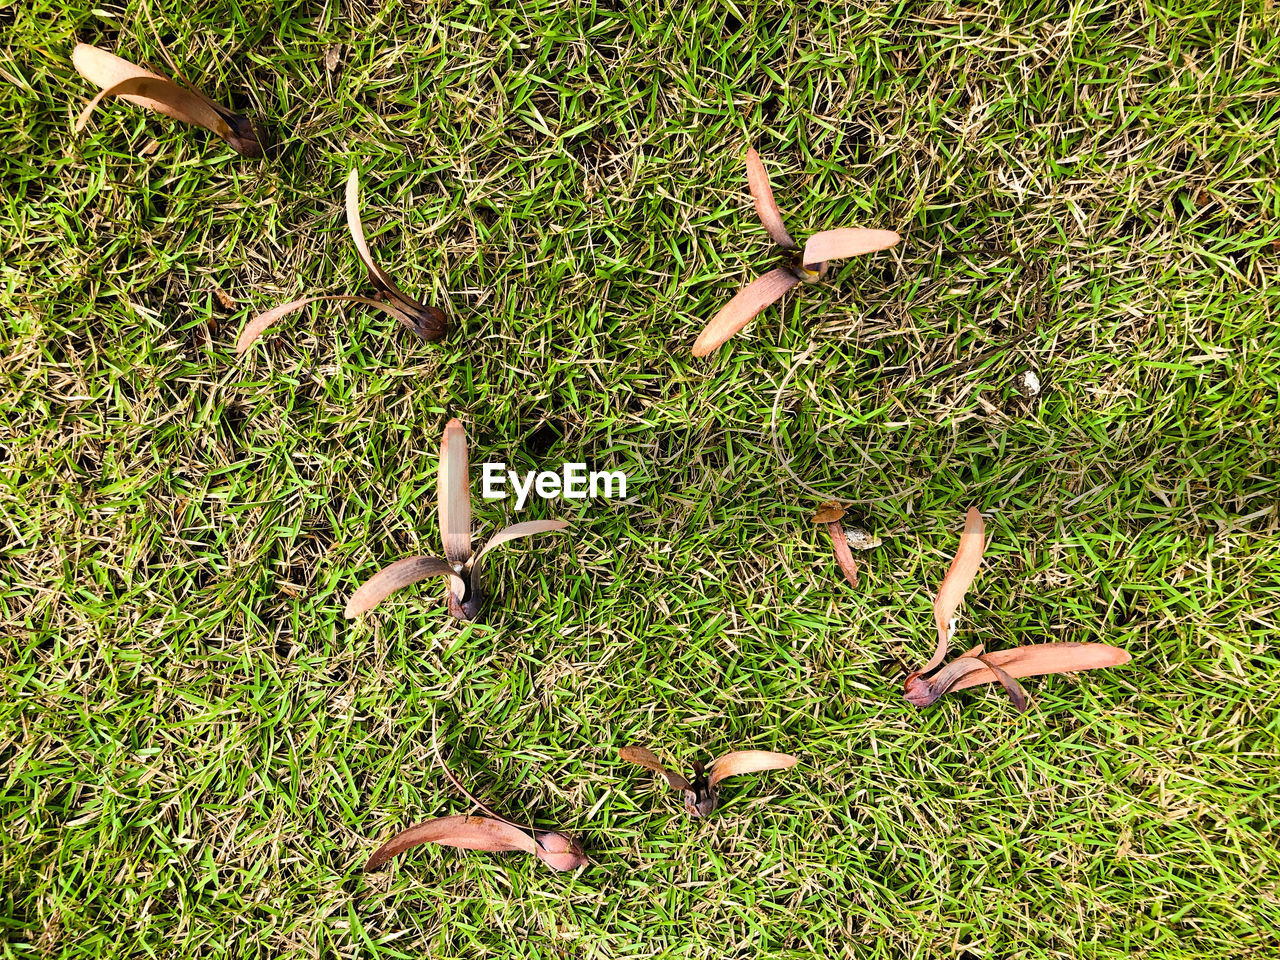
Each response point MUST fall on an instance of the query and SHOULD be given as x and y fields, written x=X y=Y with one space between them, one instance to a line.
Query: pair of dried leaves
x=702 y=793
x=119 y=78
x=426 y=321
x=819 y=249
x=562 y=851
x=461 y=565
x=975 y=667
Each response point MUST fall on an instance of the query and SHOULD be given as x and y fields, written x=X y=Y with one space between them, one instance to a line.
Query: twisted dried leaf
x=739 y=311
x=402 y=573
x=455 y=494
x=118 y=77
x=647 y=759
x=747 y=761
x=956 y=583
x=766 y=208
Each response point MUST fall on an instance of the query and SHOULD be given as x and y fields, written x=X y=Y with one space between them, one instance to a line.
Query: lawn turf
x=198 y=752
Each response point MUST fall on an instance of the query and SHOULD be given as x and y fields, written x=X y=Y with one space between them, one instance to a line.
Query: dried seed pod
x=118 y=77
x=772 y=286
x=701 y=794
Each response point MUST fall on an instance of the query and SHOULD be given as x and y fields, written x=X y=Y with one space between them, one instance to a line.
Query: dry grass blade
x=402 y=573
x=845 y=242
x=1039 y=659
x=466 y=833
x=259 y=324
x=739 y=311
x=119 y=77
x=645 y=757
x=455 y=494
x=956 y=583
x=747 y=761
x=766 y=207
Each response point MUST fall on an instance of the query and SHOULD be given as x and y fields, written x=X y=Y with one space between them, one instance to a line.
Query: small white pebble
x=1028 y=384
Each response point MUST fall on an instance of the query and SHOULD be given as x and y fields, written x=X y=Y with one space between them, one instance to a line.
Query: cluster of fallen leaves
x=461 y=564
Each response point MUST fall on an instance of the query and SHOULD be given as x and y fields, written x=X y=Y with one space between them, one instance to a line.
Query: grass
x=198 y=752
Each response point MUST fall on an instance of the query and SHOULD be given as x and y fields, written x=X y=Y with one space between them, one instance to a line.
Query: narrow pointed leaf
x=964 y=567
x=747 y=761
x=455 y=494
x=738 y=312
x=425 y=320
x=526 y=529
x=845 y=242
x=258 y=325
x=402 y=573
x=766 y=208
x=1039 y=659
x=646 y=758
x=466 y=833
x=153 y=91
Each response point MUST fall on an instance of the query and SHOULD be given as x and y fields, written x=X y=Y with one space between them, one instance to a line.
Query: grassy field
x=198 y=752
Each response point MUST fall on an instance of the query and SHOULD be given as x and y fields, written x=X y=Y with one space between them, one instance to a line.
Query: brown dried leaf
x=1039 y=659
x=844 y=558
x=766 y=208
x=225 y=300
x=466 y=833
x=829 y=512
x=118 y=77
x=426 y=321
x=402 y=573
x=455 y=494
x=845 y=242
x=747 y=761
x=739 y=311
x=255 y=327
x=956 y=583
x=646 y=758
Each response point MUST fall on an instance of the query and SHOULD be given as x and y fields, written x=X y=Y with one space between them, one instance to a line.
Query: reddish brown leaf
x=844 y=557
x=747 y=761
x=1039 y=659
x=647 y=759
x=829 y=512
x=739 y=311
x=455 y=494
x=845 y=242
x=402 y=573
x=466 y=833
x=956 y=583
x=766 y=208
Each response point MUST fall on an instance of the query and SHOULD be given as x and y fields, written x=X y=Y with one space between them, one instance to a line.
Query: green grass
x=198 y=752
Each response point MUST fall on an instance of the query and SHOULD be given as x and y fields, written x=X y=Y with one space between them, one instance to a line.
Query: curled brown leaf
x=120 y=78
x=747 y=761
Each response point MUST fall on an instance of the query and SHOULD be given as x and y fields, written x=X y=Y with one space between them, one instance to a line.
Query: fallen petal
x=964 y=567
x=402 y=573
x=455 y=493
x=118 y=77
x=739 y=311
x=747 y=761
x=466 y=833
x=766 y=208
x=845 y=242
x=1039 y=659
x=427 y=321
